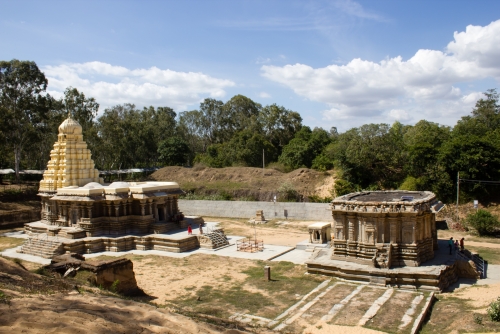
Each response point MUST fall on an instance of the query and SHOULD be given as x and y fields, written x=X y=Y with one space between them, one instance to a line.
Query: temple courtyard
x=230 y=284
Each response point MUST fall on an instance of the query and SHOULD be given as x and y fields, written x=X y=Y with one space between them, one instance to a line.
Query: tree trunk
x=17 y=155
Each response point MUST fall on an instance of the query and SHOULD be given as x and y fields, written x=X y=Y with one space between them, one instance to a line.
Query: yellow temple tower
x=70 y=161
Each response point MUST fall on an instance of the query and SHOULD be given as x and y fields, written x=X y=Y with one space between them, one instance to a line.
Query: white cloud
x=399 y=115
x=264 y=95
x=111 y=85
x=423 y=86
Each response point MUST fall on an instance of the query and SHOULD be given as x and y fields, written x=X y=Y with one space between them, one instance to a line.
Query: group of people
x=455 y=245
x=190 y=229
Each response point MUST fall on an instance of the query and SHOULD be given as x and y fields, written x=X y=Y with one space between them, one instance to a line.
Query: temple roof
x=70 y=127
x=388 y=196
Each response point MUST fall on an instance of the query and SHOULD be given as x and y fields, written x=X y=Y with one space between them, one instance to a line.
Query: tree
x=370 y=156
x=242 y=114
x=173 y=151
x=473 y=148
x=21 y=102
x=279 y=125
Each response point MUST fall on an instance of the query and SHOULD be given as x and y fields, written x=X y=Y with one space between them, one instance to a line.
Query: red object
x=190 y=230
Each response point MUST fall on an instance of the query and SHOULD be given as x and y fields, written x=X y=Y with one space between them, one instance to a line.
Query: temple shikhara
x=80 y=214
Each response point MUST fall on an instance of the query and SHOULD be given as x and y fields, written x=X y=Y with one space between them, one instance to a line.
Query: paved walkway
x=270 y=252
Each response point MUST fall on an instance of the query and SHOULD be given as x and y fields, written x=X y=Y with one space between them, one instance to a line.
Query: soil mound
x=253 y=183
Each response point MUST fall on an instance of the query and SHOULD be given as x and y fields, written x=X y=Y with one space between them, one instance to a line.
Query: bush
x=287 y=193
x=322 y=163
x=318 y=199
x=483 y=221
x=343 y=187
x=494 y=310
x=410 y=183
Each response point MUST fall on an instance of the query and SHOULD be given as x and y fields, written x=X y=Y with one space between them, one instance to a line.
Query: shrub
x=287 y=192
x=494 y=310
x=410 y=183
x=483 y=221
x=343 y=187
x=318 y=199
x=322 y=163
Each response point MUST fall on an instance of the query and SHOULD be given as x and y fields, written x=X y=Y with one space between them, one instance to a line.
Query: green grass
x=265 y=298
x=484 y=239
x=8 y=242
x=448 y=310
x=492 y=255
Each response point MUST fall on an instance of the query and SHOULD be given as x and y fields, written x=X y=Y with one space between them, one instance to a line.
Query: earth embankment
x=250 y=182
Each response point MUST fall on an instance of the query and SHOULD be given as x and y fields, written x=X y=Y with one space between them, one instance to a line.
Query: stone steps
x=42 y=246
x=344 y=303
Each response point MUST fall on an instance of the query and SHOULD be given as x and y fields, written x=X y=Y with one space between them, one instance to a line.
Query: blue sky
x=338 y=63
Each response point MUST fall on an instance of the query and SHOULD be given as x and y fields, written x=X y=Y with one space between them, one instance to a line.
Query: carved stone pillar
x=175 y=208
x=89 y=210
x=77 y=215
x=117 y=209
x=351 y=228
x=143 y=208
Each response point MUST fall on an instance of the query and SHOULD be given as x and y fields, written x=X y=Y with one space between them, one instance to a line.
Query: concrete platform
x=307 y=245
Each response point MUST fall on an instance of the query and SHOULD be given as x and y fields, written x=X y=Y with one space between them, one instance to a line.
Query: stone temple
x=82 y=215
x=386 y=238
x=386 y=229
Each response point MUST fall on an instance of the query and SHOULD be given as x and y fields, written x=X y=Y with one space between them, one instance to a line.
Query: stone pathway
x=305 y=311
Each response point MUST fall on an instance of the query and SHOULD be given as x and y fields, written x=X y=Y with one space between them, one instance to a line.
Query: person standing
x=190 y=229
x=456 y=245
x=462 y=245
x=450 y=244
x=201 y=228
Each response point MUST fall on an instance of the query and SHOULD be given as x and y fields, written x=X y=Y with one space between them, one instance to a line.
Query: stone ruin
x=319 y=233
x=82 y=215
x=259 y=218
x=384 y=238
x=384 y=229
x=115 y=274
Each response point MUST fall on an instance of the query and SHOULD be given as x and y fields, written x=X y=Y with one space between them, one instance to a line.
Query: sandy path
x=324 y=328
x=480 y=296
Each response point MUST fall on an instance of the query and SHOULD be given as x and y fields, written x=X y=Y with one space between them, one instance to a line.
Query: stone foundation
x=110 y=274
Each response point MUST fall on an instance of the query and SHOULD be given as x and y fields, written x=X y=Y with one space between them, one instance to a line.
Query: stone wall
x=244 y=209
x=19 y=218
x=115 y=274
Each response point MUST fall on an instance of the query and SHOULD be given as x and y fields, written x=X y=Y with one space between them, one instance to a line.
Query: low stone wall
x=19 y=218
x=244 y=209
x=110 y=274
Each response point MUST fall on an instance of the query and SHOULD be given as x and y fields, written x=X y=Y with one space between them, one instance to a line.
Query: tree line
x=241 y=132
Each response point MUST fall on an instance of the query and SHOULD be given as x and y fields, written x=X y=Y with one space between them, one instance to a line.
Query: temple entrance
x=161 y=216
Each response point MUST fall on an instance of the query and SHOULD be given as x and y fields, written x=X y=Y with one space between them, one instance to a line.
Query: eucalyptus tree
x=474 y=147
x=22 y=105
x=279 y=125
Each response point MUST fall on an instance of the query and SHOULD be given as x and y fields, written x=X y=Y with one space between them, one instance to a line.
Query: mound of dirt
x=261 y=184
x=32 y=303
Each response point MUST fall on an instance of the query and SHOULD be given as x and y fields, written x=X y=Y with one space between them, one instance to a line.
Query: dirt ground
x=275 y=232
x=9 y=207
x=248 y=181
